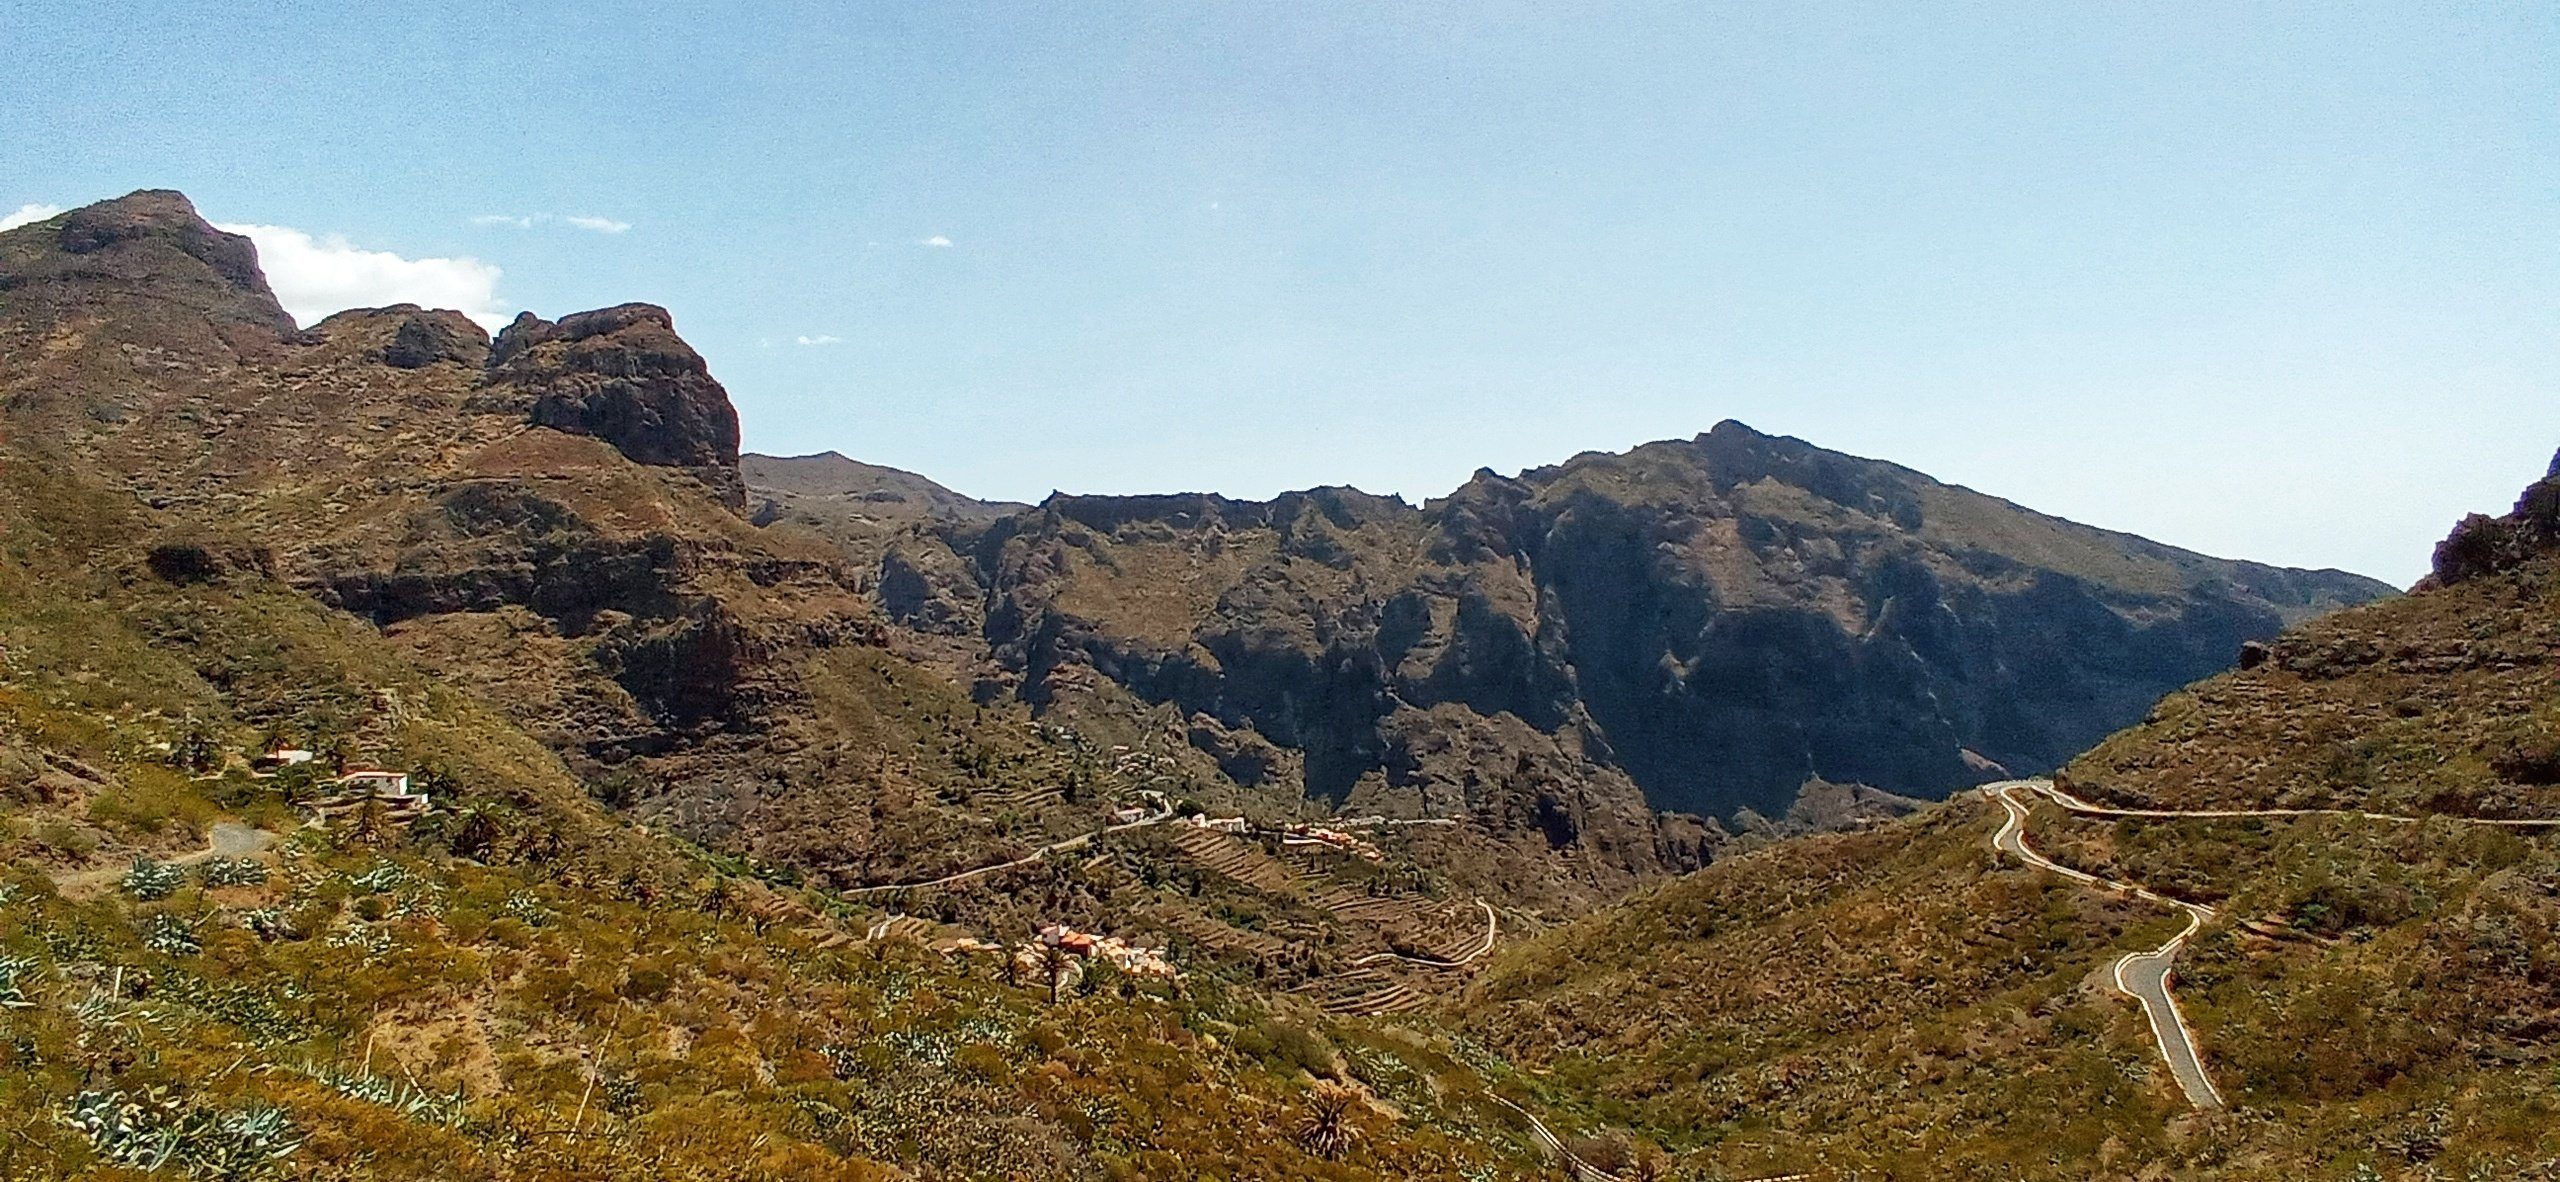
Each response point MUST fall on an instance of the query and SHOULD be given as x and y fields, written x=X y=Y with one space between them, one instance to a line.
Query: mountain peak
x=149 y=244
x=622 y=375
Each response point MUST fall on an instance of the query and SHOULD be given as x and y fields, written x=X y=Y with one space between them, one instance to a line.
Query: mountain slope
x=865 y=490
x=559 y=520
x=519 y=984
x=2374 y=995
x=1717 y=620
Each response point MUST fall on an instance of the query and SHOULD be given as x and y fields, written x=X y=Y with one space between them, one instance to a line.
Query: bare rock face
x=406 y=336
x=1716 y=620
x=425 y=338
x=146 y=267
x=2481 y=544
x=622 y=375
x=131 y=236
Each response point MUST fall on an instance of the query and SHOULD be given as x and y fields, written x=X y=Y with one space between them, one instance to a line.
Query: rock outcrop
x=2481 y=545
x=622 y=375
x=131 y=241
x=1562 y=662
x=156 y=298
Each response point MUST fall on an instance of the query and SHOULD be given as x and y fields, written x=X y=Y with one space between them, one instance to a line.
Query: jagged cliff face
x=2377 y=990
x=556 y=521
x=1713 y=621
x=622 y=375
x=559 y=520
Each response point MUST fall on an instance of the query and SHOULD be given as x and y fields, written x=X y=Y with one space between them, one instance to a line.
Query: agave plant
x=527 y=909
x=151 y=881
x=243 y=1144
x=381 y=878
x=223 y=872
x=123 y=1131
x=270 y=923
x=169 y=935
x=151 y=1129
x=14 y=971
x=403 y=1096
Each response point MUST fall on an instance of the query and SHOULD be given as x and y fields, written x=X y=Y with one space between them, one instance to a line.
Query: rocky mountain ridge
x=554 y=520
x=1721 y=619
x=561 y=520
x=2358 y=832
x=531 y=570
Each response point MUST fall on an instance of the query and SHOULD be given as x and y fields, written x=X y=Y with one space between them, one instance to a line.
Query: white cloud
x=822 y=339
x=581 y=221
x=936 y=240
x=32 y=211
x=314 y=277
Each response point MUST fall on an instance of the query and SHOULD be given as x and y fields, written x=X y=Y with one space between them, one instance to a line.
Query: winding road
x=1579 y=1169
x=2142 y=976
x=1492 y=928
x=1056 y=847
x=1574 y=1167
x=227 y=839
x=2049 y=791
x=2145 y=976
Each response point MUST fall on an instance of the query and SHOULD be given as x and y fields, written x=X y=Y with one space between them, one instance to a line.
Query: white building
x=374 y=780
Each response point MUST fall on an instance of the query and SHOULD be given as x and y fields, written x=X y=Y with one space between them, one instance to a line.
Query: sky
x=2272 y=281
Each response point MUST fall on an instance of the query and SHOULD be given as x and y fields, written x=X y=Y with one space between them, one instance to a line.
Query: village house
x=385 y=789
x=279 y=757
x=1136 y=960
x=359 y=780
x=1334 y=839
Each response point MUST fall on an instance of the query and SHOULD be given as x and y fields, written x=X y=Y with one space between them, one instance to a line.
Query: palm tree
x=1054 y=963
x=1326 y=1130
x=373 y=818
x=196 y=749
x=477 y=837
x=718 y=898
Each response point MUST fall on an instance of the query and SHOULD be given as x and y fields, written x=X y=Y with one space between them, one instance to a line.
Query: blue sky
x=2272 y=281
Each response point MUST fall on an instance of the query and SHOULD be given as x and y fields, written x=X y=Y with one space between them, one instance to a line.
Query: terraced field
x=1371 y=990
x=1236 y=858
x=1384 y=938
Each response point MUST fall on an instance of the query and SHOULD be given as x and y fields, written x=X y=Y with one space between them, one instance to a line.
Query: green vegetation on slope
x=519 y=986
x=2376 y=997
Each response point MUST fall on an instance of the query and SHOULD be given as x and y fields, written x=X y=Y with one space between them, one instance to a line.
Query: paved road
x=2142 y=976
x=1580 y=1170
x=1055 y=847
x=2145 y=976
x=227 y=839
x=1574 y=1167
x=2049 y=791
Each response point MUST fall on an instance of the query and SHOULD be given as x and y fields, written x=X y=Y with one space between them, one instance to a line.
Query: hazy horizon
x=2279 y=285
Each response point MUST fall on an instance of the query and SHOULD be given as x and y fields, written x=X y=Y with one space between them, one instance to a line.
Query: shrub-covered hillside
x=2375 y=996
x=194 y=982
